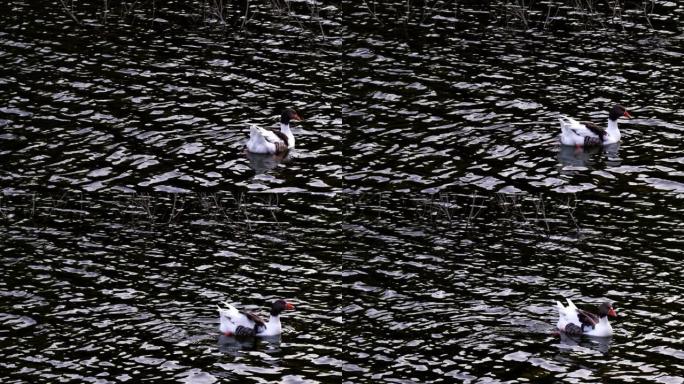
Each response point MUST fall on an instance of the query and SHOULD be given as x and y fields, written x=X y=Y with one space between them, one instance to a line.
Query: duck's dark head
x=617 y=112
x=288 y=115
x=279 y=306
x=606 y=309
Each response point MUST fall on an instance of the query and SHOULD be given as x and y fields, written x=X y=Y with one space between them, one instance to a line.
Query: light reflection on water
x=449 y=282
x=448 y=109
x=463 y=287
x=109 y=286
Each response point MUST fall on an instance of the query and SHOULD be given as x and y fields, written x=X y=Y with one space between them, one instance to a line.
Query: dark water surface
x=444 y=108
x=423 y=227
x=125 y=289
x=464 y=287
x=163 y=109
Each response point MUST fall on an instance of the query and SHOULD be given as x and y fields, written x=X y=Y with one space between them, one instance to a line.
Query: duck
x=273 y=142
x=575 y=322
x=246 y=324
x=586 y=133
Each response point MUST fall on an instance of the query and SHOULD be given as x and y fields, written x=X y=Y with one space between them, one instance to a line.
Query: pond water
x=423 y=227
x=464 y=286
x=123 y=288
x=155 y=108
x=447 y=109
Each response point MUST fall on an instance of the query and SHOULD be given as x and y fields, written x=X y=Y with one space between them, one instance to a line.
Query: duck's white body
x=570 y=315
x=231 y=319
x=267 y=142
x=575 y=133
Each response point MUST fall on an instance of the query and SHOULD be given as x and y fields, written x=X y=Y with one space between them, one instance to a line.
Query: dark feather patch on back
x=600 y=132
x=258 y=321
x=282 y=137
x=587 y=318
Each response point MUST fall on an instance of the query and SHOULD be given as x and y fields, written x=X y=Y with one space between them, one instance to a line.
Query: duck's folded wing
x=270 y=136
x=587 y=318
x=598 y=131
x=255 y=318
x=282 y=137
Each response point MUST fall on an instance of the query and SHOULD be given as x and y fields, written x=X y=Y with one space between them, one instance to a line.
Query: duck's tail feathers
x=565 y=123
x=229 y=309
x=560 y=306
x=253 y=131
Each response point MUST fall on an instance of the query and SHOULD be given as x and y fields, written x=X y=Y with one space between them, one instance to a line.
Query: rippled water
x=163 y=110
x=464 y=286
x=124 y=289
x=423 y=227
x=453 y=288
x=440 y=109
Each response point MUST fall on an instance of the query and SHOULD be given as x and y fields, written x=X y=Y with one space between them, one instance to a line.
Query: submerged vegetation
x=537 y=214
x=322 y=17
x=516 y=14
x=237 y=210
x=224 y=14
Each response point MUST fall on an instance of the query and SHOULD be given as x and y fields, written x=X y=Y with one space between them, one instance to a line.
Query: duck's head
x=606 y=309
x=288 y=115
x=279 y=306
x=617 y=112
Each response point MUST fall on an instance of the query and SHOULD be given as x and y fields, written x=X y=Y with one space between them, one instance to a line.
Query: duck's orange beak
x=296 y=118
x=612 y=313
x=289 y=306
x=627 y=115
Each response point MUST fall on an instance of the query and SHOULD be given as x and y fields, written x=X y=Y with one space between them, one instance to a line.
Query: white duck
x=273 y=142
x=586 y=133
x=237 y=323
x=573 y=321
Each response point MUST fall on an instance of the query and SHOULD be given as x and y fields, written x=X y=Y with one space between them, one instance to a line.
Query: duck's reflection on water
x=599 y=344
x=587 y=157
x=234 y=345
x=262 y=163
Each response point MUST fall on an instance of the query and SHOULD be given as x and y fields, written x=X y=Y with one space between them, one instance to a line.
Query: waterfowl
x=273 y=142
x=574 y=321
x=586 y=133
x=238 y=323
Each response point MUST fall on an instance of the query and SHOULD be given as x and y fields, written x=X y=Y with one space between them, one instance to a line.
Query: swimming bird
x=238 y=323
x=273 y=142
x=574 y=321
x=586 y=133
